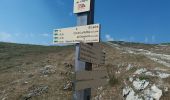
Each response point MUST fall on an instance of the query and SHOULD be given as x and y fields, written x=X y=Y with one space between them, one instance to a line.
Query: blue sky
x=33 y=21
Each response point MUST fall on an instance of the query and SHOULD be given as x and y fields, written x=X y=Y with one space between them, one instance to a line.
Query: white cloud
x=108 y=37
x=153 y=39
x=122 y=39
x=26 y=38
x=146 y=40
x=45 y=34
x=5 y=37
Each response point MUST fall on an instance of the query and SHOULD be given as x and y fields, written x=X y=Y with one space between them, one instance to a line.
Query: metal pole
x=84 y=19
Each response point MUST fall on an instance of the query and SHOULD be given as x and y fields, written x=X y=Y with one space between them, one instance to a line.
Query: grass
x=113 y=81
x=144 y=77
x=18 y=60
x=12 y=54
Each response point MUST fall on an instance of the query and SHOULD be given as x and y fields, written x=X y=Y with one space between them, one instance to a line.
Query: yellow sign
x=85 y=34
x=81 y=6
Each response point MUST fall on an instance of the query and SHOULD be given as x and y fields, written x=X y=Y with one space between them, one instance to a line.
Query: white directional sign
x=81 y=6
x=85 y=34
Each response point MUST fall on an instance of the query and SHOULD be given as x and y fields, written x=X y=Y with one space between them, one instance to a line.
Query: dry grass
x=22 y=63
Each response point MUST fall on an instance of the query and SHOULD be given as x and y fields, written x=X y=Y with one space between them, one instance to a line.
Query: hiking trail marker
x=90 y=79
x=91 y=54
x=86 y=34
x=86 y=80
x=81 y=6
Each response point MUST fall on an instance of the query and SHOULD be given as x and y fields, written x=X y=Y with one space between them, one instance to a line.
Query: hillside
x=136 y=71
x=34 y=72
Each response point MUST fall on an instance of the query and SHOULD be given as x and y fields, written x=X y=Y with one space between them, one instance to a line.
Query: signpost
x=86 y=54
x=86 y=34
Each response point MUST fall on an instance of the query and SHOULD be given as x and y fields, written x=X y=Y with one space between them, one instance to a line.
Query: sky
x=33 y=21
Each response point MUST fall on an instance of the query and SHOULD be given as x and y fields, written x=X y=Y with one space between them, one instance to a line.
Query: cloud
x=146 y=40
x=5 y=37
x=108 y=37
x=45 y=35
x=26 y=38
x=122 y=39
x=153 y=39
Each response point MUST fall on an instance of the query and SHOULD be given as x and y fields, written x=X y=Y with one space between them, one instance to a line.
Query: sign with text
x=86 y=34
x=81 y=6
x=90 y=79
x=80 y=85
x=91 y=54
x=91 y=75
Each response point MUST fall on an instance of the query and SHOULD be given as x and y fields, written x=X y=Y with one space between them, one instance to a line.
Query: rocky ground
x=135 y=72
x=30 y=72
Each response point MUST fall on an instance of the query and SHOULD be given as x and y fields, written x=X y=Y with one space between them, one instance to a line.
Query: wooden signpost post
x=84 y=35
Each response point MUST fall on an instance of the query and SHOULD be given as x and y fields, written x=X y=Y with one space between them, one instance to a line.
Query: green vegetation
x=113 y=80
x=11 y=53
x=165 y=43
x=143 y=77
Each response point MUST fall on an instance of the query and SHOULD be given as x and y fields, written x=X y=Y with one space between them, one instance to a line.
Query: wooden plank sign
x=90 y=75
x=86 y=34
x=80 y=85
x=90 y=79
x=91 y=54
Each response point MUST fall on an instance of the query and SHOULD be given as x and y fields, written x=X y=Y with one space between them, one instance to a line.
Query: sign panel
x=81 y=6
x=91 y=54
x=86 y=34
x=90 y=75
x=80 y=85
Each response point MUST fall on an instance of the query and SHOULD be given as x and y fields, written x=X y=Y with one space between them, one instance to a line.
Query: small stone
x=131 y=79
x=117 y=72
x=129 y=67
x=166 y=89
x=129 y=94
x=163 y=75
x=154 y=93
x=25 y=82
x=68 y=86
x=149 y=74
x=140 y=71
x=140 y=84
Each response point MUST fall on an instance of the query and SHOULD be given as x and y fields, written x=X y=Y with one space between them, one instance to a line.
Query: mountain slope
x=28 y=71
x=136 y=71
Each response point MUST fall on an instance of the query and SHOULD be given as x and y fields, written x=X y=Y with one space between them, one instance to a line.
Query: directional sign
x=81 y=6
x=86 y=34
x=91 y=54
x=90 y=79
x=80 y=85
x=90 y=75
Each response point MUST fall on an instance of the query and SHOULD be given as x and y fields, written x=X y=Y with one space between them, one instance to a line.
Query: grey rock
x=36 y=91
